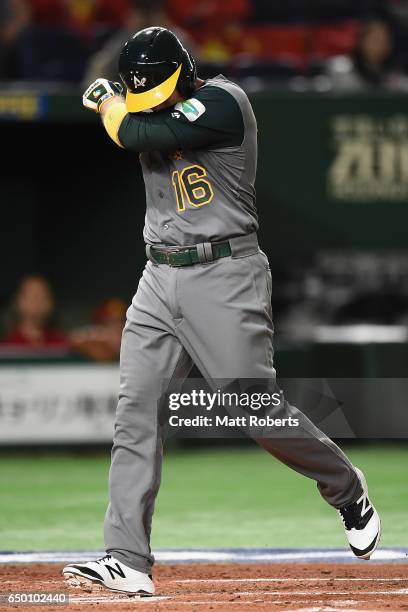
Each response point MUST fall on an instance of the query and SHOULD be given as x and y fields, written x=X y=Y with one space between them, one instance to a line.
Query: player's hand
x=99 y=92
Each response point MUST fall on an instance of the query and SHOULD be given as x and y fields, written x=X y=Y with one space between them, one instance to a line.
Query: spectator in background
x=80 y=16
x=142 y=14
x=208 y=13
x=36 y=42
x=373 y=63
x=52 y=40
x=217 y=26
x=101 y=342
x=33 y=309
x=397 y=12
x=14 y=18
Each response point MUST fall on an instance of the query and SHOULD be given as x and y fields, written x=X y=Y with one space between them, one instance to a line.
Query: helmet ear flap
x=188 y=76
x=193 y=66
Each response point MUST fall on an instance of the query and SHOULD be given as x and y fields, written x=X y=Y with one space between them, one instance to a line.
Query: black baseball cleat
x=361 y=523
x=110 y=573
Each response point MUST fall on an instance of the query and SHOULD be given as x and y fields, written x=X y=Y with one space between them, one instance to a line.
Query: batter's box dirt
x=200 y=587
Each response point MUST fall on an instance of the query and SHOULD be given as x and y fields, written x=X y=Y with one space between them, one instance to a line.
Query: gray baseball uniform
x=199 y=166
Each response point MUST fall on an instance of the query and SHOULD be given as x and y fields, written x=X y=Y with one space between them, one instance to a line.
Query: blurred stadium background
x=329 y=83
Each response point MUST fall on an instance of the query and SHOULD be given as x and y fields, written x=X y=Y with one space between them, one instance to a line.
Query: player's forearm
x=139 y=133
x=146 y=132
x=105 y=97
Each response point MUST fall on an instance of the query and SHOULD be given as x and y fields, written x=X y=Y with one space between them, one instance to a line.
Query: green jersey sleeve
x=212 y=118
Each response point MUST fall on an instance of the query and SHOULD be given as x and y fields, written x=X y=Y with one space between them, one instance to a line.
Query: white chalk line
x=214 y=556
x=212 y=602
x=318 y=593
x=116 y=600
x=260 y=580
x=245 y=603
x=309 y=594
x=328 y=579
x=327 y=609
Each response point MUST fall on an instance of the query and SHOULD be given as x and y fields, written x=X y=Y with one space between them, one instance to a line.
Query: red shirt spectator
x=50 y=338
x=101 y=341
x=34 y=306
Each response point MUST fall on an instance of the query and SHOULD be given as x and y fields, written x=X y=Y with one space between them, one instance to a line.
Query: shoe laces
x=105 y=558
x=354 y=515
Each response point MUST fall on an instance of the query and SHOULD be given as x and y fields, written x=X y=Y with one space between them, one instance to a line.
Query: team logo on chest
x=139 y=82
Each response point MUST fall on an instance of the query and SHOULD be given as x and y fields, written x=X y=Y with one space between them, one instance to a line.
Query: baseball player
x=204 y=297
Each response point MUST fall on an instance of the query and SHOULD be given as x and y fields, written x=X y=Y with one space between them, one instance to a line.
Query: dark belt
x=188 y=256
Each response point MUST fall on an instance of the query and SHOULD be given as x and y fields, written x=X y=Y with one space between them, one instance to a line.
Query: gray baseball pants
x=217 y=315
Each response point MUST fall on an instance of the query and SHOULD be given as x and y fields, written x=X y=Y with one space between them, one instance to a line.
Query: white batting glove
x=99 y=92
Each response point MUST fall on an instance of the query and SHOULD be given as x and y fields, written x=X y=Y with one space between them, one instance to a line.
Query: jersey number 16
x=191 y=187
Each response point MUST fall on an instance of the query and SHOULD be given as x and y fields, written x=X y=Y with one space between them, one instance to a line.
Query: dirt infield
x=306 y=587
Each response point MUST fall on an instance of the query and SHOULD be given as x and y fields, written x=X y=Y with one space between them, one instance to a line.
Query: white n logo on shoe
x=112 y=571
x=366 y=506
